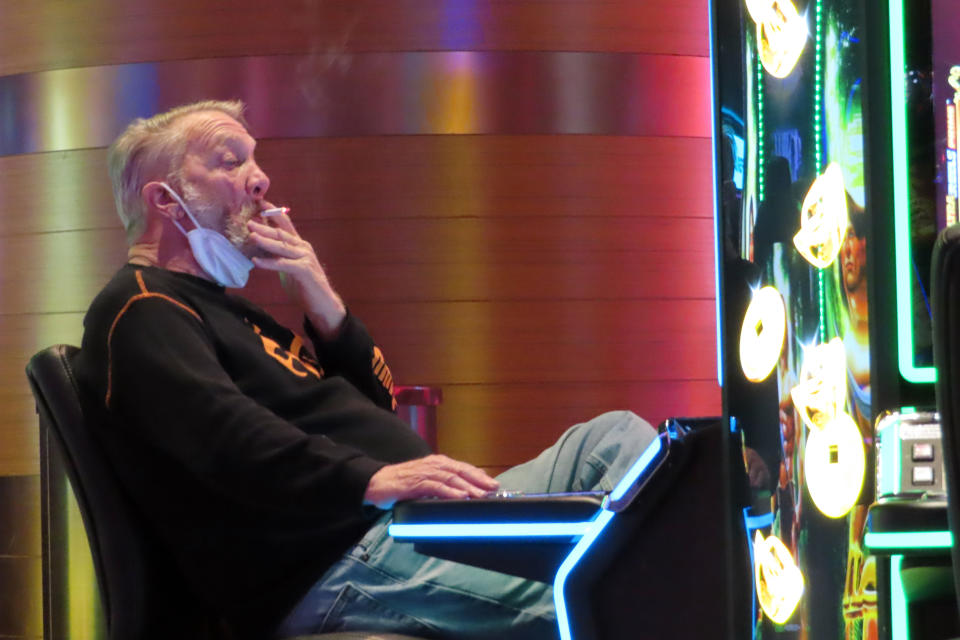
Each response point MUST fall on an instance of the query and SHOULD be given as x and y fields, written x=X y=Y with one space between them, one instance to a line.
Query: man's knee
x=611 y=443
x=626 y=423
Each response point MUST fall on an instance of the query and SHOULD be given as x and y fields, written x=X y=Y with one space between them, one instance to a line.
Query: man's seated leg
x=591 y=456
x=384 y=585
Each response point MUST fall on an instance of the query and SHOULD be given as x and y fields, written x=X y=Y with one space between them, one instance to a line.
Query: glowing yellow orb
x=761 y=335
x=823 y=218
x=834 y=463
x=822 y=391
x=778 y=580
x=781 y=34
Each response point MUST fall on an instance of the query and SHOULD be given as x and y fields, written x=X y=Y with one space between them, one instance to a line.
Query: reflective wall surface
x=514 y=195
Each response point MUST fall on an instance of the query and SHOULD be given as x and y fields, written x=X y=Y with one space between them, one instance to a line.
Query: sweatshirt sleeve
x=166 y=382
x=353 y=355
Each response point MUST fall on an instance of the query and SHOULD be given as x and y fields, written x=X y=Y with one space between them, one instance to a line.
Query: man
x=263 y=467
x=856 y=335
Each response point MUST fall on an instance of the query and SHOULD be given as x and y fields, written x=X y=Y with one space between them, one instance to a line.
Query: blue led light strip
x=752 y=523
x=560 y=581
x=757 y=522
x=597 y=527
x=589 y=532
x=490 y=530
x=717 y=240
x=637 y=469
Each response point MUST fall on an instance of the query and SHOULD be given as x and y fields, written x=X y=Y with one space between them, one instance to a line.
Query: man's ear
x=158 y=201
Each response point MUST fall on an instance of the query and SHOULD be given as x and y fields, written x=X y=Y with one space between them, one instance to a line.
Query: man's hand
x=300 y=272
x=435 y=476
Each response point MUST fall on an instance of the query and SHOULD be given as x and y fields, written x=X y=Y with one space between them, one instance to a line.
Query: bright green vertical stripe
x=901 y=201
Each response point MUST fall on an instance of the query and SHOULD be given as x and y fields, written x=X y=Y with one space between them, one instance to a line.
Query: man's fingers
x=435 y=489
x=473 y=475
x=479 y=478
x=284 y=222
x=281 y=265
x=289 y=237
x=276 y=246
x=435 y=476
x=464 y=475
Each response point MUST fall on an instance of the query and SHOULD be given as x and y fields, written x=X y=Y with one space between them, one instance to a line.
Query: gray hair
x=148 y=143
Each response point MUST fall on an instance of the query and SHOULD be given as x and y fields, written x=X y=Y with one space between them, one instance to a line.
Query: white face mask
x=216 y=255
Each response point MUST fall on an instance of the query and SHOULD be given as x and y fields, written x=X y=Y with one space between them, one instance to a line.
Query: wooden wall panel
x=406 y=176
x=537 y=413
x=439 y=176
x=42 y=35
x=544 y=341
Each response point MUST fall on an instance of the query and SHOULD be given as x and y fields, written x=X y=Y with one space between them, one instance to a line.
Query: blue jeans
x=382 y=585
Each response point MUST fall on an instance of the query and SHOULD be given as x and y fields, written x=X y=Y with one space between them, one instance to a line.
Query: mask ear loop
x=183 y=205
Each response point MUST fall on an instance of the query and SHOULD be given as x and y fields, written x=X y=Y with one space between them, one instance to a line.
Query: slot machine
x=836 y=166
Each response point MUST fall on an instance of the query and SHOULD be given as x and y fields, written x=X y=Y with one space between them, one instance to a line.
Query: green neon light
x=897 y=459
x=818 y=89
x=817 y=146
x=901 y=201
x=909 y=540
x=761 y=169
x=889 y=435
x=899 y=614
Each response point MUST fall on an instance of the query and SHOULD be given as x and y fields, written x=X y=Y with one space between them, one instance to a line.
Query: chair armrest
x=527 y=535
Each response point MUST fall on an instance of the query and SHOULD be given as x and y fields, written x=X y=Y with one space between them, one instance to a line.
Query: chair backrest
x=945 y=306
x=141 y=593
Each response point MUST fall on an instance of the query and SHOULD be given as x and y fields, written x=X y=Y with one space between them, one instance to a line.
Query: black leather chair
x=945 y=299
x=140 y=591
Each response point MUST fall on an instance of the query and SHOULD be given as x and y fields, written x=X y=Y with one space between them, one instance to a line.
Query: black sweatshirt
x=248 y=456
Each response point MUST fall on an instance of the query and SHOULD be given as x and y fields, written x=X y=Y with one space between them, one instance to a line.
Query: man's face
x=220 y=180
x=853 y=254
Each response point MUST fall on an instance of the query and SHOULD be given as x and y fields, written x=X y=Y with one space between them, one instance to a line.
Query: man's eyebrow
x=224 y=138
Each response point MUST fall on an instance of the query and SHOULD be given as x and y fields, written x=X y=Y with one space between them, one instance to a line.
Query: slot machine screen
x=793 y=219
x=925 y=48
x=946 y=101
x=946 y=108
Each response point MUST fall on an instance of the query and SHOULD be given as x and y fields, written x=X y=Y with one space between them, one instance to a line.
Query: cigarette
x=266 y=213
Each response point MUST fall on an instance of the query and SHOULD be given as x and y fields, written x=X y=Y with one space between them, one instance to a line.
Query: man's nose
x=257 y=182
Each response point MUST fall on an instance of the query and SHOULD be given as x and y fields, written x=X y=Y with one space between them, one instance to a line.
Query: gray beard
x=217 y=217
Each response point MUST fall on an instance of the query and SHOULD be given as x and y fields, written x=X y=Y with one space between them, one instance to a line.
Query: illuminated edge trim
x=591 y=531
x=761 y=155
x=490 y=530
x=889 y=437
x=901 y=202
x=819 y=137
x=637 y=469
x=899 y=613
x=717 y=240
x=596 y=528
x=752 y=523
x=908 y=540
x=559 y=582
x=757 y=522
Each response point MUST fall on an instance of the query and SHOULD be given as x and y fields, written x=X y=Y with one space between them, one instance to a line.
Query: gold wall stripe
x=458 y=92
